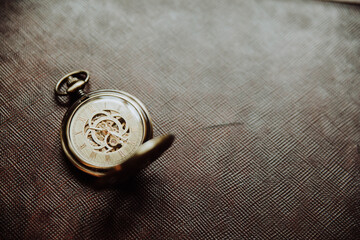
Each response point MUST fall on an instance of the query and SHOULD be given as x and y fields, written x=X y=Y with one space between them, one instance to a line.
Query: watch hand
x=94 y=128
x=117 y=135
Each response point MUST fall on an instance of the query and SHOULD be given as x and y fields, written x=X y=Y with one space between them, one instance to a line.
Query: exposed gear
x=106 y=131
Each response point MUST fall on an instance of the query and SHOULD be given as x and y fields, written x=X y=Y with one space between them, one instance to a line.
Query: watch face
x=105 y=130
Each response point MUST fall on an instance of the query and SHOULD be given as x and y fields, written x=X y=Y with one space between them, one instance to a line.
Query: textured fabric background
x=263 y=97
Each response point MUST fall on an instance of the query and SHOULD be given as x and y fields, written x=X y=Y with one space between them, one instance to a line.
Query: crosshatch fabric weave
x=263 y=97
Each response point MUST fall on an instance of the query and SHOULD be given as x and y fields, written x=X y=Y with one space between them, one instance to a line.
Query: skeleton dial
x=104 y=131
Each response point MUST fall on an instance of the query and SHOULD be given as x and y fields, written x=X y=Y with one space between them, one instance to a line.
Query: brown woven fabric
x=263 y=97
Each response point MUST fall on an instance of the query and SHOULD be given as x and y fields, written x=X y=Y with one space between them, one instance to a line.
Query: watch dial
x=104 y=131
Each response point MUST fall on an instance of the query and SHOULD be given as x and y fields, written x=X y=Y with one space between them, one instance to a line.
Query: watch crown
x=76 y=86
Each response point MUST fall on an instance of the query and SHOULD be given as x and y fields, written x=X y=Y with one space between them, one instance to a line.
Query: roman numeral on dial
x=82 y=119
x=92 y=155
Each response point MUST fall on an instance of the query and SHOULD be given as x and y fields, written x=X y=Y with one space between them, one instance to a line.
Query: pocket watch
x=107 y=133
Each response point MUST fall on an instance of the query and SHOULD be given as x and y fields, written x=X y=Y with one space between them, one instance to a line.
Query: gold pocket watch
x=107 y=133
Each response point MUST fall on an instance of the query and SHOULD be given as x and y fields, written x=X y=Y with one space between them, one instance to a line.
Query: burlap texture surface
x=263 y=97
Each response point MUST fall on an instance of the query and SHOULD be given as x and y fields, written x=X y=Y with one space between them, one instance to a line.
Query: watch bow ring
x=107 y=133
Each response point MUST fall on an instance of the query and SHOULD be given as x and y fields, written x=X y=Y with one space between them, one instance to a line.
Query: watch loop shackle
x=75 y=82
